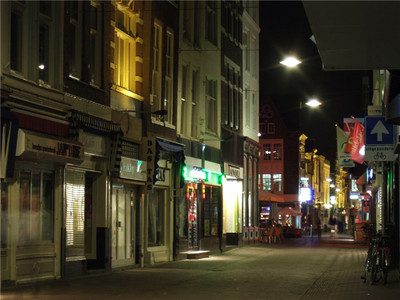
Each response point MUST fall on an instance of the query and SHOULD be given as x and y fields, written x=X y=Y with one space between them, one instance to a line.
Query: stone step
x=197 y=254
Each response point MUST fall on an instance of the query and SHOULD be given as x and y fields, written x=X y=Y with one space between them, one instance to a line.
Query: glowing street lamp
x=290 y=62
x=313 y=102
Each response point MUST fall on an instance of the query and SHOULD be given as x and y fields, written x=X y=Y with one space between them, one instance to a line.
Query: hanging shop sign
x=162 y=173
x=233 y=171
x=133 y=169
x=149 y=150
x=40 y=146
x=191 y=173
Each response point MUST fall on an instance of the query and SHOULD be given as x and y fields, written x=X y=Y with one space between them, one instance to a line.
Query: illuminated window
x=125 y=50
x=75 y=213
x=267 y=151
x=277 y=152
x=266 y=182
x=36 y=206
x=277 y=182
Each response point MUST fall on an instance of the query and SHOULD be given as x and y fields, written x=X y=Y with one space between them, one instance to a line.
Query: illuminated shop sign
x=133 y=169
x=197 y=173
x=30 y=145
x=306 y=194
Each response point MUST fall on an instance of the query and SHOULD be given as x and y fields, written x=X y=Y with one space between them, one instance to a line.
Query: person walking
x=332 y=224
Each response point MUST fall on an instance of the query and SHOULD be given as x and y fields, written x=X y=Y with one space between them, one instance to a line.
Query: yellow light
x=290 y=62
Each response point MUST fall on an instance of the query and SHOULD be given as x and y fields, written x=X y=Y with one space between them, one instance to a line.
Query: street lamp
x=313 y=102
x=290 y=62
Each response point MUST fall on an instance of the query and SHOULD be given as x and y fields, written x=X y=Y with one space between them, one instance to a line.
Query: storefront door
x=123 y=226
x=193 y=224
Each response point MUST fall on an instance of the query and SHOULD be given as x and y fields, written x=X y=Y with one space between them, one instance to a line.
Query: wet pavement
x=305 y=268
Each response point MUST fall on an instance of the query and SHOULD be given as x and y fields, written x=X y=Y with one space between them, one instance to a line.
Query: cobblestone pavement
x=294 y=269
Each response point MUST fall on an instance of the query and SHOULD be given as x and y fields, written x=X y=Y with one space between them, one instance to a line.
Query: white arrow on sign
x=379 y=129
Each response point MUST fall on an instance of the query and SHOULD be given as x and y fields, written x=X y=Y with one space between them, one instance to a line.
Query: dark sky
x=285 y=29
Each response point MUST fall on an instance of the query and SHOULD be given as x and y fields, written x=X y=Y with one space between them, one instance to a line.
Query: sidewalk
x=304 y=268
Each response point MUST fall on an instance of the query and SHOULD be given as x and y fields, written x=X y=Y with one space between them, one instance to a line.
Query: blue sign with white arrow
x=377 y=131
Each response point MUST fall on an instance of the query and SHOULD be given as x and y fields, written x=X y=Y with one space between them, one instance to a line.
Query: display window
x=36 y=206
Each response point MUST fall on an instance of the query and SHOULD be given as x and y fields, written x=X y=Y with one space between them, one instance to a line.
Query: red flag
x=355 y=143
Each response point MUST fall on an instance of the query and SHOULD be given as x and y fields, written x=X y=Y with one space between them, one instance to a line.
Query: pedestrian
x=318 y=226
x=332 y=224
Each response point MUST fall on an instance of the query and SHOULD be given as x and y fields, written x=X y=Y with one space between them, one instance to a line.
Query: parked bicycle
x=378 y=261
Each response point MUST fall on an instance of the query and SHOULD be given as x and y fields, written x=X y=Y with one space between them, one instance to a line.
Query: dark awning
x=356 y=35
x=176 y=154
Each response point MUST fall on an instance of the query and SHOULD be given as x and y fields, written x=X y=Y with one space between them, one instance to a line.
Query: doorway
x=123 y=211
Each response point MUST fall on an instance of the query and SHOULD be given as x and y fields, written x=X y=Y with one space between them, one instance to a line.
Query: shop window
x=75 y=212
x=36 y=217
x=156 y=220
x=210 y=206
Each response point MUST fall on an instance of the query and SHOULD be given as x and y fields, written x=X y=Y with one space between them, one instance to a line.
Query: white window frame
x=157 y=66
x=169 y=78
x=96 y=51
x=184 y=97
x=76 y=72
x=211 y=108
x=195 y=77
x=125 y=51
x=211 y=22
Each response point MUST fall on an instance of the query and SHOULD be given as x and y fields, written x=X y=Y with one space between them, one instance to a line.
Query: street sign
x=379 y=139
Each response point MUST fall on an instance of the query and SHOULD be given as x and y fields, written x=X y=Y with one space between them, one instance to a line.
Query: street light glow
x=290 y=62
x=313 y=102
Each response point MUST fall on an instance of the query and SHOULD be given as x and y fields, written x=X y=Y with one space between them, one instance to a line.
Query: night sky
x=284 y=30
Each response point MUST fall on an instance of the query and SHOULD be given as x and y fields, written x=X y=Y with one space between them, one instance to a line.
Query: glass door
x=123 y=231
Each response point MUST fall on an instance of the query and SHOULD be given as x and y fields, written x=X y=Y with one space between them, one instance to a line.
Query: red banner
x=355 y=143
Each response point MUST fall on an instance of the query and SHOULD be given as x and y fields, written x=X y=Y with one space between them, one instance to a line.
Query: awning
x=268 y=196
x=176 y=153
x=356 y=35
x=288 y=211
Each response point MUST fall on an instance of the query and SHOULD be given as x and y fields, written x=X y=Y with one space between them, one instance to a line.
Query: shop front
x=199 y=210
x=232 y=205
x=32 y=207
x=163 y=182
x=126 y=196
x=86 y=229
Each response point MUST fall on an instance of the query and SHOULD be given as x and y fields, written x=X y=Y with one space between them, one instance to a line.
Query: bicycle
x=377 y=264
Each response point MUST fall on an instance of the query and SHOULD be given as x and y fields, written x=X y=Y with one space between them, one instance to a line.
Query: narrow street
x=294 y=269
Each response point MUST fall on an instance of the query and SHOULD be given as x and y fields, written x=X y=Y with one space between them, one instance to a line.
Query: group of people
x=313 y=222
